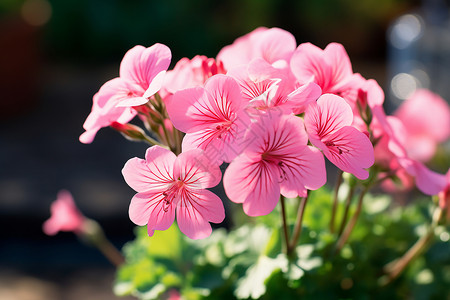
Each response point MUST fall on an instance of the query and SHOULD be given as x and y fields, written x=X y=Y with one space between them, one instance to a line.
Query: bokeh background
x=55 y=54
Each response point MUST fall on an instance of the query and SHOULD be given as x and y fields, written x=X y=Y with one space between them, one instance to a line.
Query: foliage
x=246 y=262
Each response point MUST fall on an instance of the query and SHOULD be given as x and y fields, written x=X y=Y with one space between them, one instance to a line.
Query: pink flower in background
x=276 y=161
x=328 y=123
x=167 y=184
x=392 y=154
x=212 y=117
x=65 y=216
x=274 y=45
x=141 y=73
x=265 y=87
x=329 y=68
x=426 y=118
x=191 y=73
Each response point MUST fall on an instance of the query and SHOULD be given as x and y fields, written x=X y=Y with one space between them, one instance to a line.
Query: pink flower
x=392 y=154
x=276 y=161
x=65 y=216
x=265 y=87
x=191 y=73
x=212 y=117
x=329 y=68
x=274 y=45
x=167 y=184
x=328 y=123
x=369 y=101
x=426 y=118
x=141 y=73
x=105 y=111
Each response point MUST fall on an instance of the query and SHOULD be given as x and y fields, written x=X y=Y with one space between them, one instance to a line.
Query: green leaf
x=253 y=283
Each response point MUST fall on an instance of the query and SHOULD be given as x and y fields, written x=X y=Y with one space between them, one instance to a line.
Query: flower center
x=170 y=195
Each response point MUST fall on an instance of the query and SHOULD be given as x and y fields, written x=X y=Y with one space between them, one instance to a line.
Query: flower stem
x=348 y=202
x=93 y=234
x=349 y=228
x=177 y=138
x=284 y=224
x=396 y=267
x=298 y=224
x=335 y=200
x=151 y=141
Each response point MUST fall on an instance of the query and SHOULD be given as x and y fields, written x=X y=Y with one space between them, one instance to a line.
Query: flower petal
x=153 y=174
x=195 y=169
x=266 y=192
x=141 y=65
x=299 y=99
x=195 y=209
x=336 y=56
x=150 y=209
x=326 y=116
x=240 y=178
x=225 y=97
x=304 y=170
x=105 y=110
x=307 y=64
x=275 y=44
x=350 y=150
x=427 y=181
x=187 y=111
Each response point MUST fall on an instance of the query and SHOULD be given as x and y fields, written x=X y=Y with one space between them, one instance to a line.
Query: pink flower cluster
x=272 y=110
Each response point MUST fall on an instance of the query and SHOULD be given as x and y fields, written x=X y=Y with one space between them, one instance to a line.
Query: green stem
x=348 y=202
x=396 y=267
x=93 y=234
x=284 y=224
x=349 y=228
x=177 y=139
x=335 y=200
x=151 y=141
x=298 y=224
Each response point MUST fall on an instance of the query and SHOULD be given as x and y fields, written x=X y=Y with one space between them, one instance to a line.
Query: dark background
x=55 y=54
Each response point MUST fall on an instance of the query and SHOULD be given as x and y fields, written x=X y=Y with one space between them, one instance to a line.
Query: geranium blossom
x=274 y=45
x=392 y=154
x=167 y=184
x=328 y=125
x=189 y=73
x=141 y=74
x=329 y=68
x=426 y=118
x=212 y=117
x=276 y=161
x=65 y=215
x=265 y=87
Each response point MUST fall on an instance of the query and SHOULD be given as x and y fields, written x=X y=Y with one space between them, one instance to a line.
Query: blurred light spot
x=350 y=266
x=346 y=283
x=406 y=30
x=312 y=234
x=36 y=12
x=444 y=236
x=422 y=77
x=425 y=277
x=378 y=229
x=347 y=252
x=403 y=85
